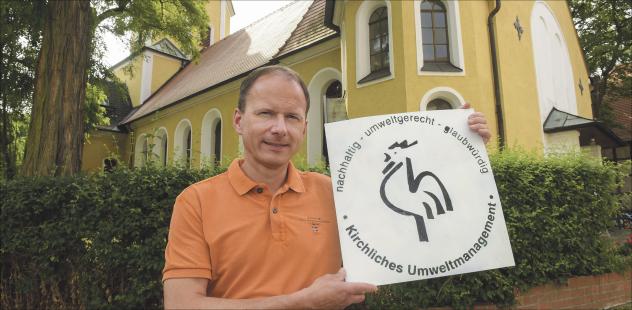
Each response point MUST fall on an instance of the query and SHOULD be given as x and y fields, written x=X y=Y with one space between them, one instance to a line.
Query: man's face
x=273 y=124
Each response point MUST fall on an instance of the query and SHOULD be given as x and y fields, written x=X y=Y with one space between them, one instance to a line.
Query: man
x=244 y=239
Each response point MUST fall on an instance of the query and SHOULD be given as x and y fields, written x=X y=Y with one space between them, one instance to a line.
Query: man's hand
x=478 y=123
x=332 y=292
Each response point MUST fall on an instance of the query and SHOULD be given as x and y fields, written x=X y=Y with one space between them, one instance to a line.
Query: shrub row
x=97 y=241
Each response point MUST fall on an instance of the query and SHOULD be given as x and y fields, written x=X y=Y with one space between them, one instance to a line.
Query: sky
x=246 y=12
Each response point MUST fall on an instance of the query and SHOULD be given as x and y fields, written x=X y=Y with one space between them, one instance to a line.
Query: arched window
x=438 y=37
x=160 y=147
x=211 y=138
x=141 y=151
x=145 y=153
x=333 y=110
x=374 y=45
x=378 y=40
x=217 y=145
x=438 y=104
x=188 y=147
x=441 y=98
x=183 y=143
x=434 y=32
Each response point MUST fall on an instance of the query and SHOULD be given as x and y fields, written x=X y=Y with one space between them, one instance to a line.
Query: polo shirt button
x=275 y=210
x=259 y=190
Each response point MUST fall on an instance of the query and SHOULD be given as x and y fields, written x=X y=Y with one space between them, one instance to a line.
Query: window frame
x=456 y=64
x=364 y=76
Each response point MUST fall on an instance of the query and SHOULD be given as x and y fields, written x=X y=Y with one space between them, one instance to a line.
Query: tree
x=65 y=63
x=605 y=33
x=18 y=41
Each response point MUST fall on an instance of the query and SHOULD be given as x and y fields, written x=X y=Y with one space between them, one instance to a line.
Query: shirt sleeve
x=187 y=254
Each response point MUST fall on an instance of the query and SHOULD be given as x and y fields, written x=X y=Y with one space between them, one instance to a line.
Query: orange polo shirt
x=250 y=242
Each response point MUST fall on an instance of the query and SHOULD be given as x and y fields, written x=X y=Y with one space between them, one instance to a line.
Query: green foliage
x=604 y=28
x=95 y=114
x=97 y=241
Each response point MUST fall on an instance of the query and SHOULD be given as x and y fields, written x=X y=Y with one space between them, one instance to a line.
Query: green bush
x=97 y=241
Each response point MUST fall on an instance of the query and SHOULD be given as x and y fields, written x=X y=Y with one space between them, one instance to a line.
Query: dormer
x=146 y=72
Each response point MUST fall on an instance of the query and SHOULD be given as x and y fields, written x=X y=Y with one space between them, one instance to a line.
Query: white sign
x=415 y=198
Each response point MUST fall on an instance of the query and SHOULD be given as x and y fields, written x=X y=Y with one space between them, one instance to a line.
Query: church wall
x=163 y=69
x=101 y=145
x=131 y=79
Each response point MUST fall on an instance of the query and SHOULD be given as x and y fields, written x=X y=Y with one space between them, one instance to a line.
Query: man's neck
x=272 y=177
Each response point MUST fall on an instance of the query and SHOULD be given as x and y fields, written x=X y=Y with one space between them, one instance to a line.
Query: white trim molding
x=363 y=66
x=179 y=140
x=140 y=159
x=161 y=140
x=446 y=93
x=222 y=19
x=147 y=71
x=553 y=69
x=207 y=142
x=454 y=39
x=315 y=122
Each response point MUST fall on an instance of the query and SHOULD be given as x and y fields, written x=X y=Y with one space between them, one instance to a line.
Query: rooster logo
x=414 y=182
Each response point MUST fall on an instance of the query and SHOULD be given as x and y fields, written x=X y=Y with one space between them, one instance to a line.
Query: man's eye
x=294 y=117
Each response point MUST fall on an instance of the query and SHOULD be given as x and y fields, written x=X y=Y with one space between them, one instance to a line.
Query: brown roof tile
x=236 y=54
x=310 y=30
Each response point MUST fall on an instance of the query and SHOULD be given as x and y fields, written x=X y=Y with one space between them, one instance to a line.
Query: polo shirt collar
x=243 y=184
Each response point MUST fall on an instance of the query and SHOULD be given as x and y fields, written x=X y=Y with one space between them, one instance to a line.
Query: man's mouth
x=275 y=144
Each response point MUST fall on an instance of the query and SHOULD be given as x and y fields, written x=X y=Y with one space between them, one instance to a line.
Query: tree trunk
x=55 y=139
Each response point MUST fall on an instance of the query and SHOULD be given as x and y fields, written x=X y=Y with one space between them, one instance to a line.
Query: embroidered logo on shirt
x=315 y=223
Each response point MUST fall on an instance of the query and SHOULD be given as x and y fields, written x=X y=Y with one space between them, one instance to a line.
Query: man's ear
x=305 y=128
x=237 y=117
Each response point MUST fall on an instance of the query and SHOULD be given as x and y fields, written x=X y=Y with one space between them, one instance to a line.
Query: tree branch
x=122 y=6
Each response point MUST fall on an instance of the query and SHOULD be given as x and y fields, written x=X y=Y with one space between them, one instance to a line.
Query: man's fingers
x=361 y=288
x=476 y=119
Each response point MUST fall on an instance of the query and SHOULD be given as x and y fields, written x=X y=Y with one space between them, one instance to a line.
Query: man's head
x=271 y=116
x=250 y=80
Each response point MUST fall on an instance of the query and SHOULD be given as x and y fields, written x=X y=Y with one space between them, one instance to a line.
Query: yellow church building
x=519 y=62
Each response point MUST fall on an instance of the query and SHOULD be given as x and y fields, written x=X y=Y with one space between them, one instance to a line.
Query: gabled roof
x=239 y=53
x=168 y=47
x=589 y=129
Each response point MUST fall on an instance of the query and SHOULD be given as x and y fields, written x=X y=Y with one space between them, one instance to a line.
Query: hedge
x=97 y=241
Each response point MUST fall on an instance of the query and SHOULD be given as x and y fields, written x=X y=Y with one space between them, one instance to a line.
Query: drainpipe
x=492 y=44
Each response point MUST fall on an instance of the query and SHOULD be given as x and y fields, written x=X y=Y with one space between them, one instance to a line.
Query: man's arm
x=327 y=292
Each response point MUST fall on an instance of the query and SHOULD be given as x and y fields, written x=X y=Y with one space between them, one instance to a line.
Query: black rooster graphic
x=413 y=186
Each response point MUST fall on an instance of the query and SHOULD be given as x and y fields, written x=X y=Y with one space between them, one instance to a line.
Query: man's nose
x=280 y=126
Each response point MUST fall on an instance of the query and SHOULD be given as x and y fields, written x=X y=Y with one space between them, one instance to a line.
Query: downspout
x=492 y=44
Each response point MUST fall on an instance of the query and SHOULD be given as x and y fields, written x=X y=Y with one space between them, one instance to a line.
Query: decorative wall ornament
x=518 y=27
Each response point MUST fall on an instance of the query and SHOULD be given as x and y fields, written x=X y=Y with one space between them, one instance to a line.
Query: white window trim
x=222 y=19
x=446 y=93
x=316 y=89
x=158 y=144
x=178 y=140
x=208 y=133
x=211 y=35
x=139 y=161
x=363 y=66
x=454 y=35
